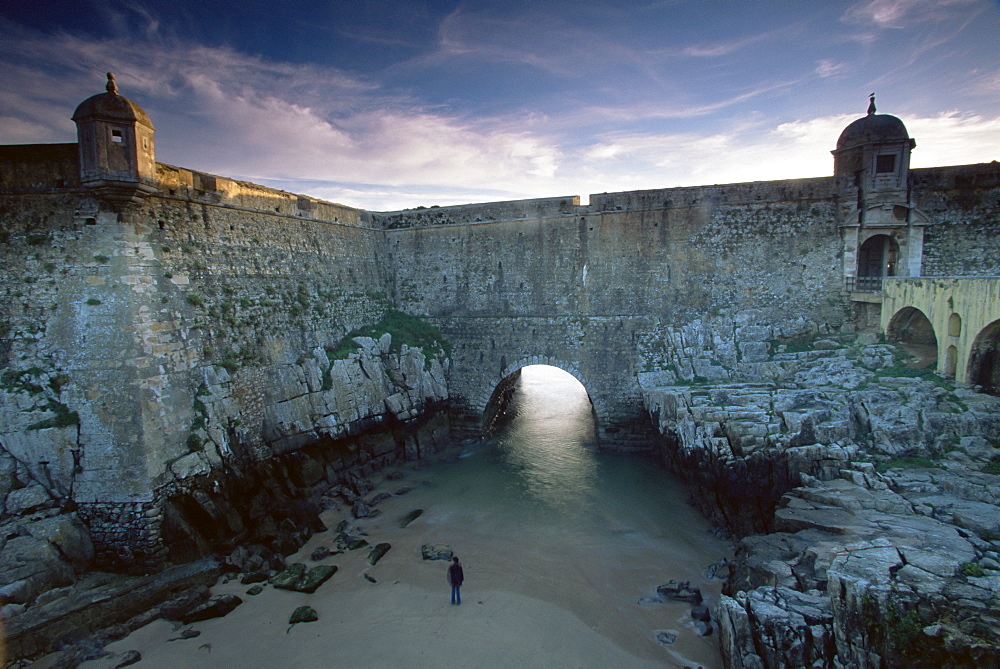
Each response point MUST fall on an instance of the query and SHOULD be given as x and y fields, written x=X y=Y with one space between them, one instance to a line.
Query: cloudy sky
x=386 y=104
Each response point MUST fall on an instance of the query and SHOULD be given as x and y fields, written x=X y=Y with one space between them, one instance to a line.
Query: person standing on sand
x=455 y=577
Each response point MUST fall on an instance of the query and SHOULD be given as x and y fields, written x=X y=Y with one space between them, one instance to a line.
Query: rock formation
x=865 y=492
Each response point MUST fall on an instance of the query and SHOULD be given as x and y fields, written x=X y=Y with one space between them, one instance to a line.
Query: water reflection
x=548 y=437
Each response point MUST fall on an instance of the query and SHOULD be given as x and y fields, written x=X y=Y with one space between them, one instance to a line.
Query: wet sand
x=525 y=602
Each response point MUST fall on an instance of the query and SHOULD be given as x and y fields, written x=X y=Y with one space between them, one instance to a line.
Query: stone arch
x=501 y=387
x=911 y=329
x=878 y=257
x=984 y=359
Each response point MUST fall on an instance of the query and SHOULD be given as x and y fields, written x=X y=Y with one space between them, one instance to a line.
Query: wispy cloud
x=829 y=68
x=898 y=14
x=621 y=117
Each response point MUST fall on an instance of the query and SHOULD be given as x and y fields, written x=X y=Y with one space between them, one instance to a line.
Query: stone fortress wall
x=146 y=342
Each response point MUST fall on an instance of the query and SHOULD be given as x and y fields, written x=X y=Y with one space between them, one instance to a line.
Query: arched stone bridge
x=960 y=316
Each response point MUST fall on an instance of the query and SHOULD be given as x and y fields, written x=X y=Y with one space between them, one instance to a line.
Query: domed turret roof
x=111 y=106
x=872 y=128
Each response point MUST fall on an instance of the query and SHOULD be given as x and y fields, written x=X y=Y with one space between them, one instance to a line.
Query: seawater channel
x=563 y=547
x=593 y=532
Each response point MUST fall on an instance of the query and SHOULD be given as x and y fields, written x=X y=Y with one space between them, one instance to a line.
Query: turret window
x=116 y=136
x=885 y=164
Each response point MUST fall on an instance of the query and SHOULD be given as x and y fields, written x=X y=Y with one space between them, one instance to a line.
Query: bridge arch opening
x=544 y=430
x=545 y=393
x=913 y=331
x=877 y=259
x=984 y=359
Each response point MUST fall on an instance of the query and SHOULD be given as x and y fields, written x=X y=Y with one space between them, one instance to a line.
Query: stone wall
x=119 y=326
x=963 y=204
x=596 y=290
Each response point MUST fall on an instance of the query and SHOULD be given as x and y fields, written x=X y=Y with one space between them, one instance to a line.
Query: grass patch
x=63 y=418
x=195 y=444
x=906 y=463
x=413 y=331
x=993 y=466
x=13 y=380
x=799 y=344
x=971 y=569
x=93 y=301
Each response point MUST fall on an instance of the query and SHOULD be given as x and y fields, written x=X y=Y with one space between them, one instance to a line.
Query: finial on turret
x=871 y=103
x=112 y=87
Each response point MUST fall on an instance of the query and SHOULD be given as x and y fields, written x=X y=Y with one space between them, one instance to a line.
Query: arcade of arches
x=951 y=325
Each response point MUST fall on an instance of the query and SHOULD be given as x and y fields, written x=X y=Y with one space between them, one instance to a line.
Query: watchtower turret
x=115 y=136
x=881 y=229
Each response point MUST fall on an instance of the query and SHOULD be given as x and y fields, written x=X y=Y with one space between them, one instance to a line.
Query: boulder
x=681 y=591
x=320 y=553
x=303 y=614
x=302 y=579
x=377 y=552
x=129 y=658
x=436 y=552
x=216 y=607
x=410 y=517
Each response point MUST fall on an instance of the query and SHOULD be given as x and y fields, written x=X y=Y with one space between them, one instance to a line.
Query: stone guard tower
x=882 y=232
x=117 y=156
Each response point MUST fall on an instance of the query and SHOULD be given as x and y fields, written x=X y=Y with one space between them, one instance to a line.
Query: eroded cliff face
x=865 y=492
x=264 y=447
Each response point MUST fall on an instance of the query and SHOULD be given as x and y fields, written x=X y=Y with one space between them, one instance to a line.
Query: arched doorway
x=913 y=331
x=877 y=259
x=984 y=359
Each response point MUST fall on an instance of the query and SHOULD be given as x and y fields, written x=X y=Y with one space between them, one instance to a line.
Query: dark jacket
x=455 y=574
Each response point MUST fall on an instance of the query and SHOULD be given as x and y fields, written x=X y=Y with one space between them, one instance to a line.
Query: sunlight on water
x=548 y=438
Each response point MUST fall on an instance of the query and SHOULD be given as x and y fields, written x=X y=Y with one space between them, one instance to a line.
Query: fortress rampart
x=154 y=328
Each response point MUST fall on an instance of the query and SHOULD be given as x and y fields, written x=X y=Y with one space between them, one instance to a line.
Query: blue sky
x=392 y=104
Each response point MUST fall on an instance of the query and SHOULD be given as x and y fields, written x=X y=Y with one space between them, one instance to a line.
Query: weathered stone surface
x=851 y=565
x=129 y=658
x=300 y=578
x=410 y=517
x=378 y=552
x=101 y=600
x=681 y=591
x=320 y=553
x=303 y=614
x=216 y=607
x=436 y=552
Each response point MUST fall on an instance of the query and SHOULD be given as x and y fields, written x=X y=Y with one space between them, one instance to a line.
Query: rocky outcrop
x=864 y=493
x=249 y=490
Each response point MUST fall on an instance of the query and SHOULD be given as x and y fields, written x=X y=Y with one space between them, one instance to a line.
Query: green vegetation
x=906 y=463
x=195 y=300
x=195 y=444
x=57 y=382
x=16 y=381
x=993 y=466
x=36 y=240
x=906 y=630
x=101 y=259
x=93 y=301
x=63 y=417
x=797 y=344
x=971 y=569
x=413 y=331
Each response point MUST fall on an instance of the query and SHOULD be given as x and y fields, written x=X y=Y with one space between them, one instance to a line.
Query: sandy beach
x=577 y=607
